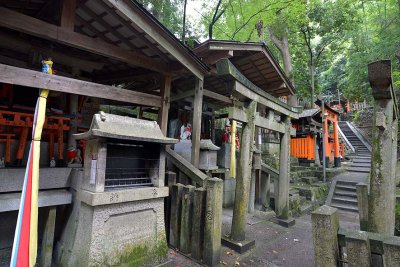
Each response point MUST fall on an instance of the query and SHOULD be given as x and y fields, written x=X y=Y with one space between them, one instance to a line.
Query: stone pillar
x=391 y=251
x=282 y=192
x=265 y=190
x=198 y=223
x=362 y=199
x=292 y=100
x=381 y=201
x=337 y=159
x=252 y=194
x=243 y=176
x=175 y=218
x=48 y=239
x=358 y=250
x=213 y=222
x=316 y=152
x=325 y=227
x=185 y=239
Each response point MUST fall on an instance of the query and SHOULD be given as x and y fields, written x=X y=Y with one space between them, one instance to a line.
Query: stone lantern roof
x=120 y=127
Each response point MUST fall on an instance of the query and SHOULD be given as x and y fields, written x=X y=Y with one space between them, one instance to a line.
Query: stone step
x=359 y=169
x=309 y=179
x=345 y=207
x=346 y=187
x=340 y=192
x=362 y=165
x=357 y=160
x=345 y=182
x=345 y=200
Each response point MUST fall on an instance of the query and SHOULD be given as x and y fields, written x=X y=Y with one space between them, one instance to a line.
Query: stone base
x=238 y=246
x=74 y=165
x=286 y=222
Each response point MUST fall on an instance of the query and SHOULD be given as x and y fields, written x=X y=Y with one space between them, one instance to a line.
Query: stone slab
x=238 y=246
x=286 y=223
x=11 y=201
x=121 y=196
x=12 y=179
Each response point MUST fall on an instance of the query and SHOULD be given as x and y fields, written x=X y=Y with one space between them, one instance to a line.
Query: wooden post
x=165 y=101
x=73 y=110
x=243 y=176
x=337 y=159
x=171 y=180
x=175 y=218
x=381 y=200
x=197 y=112
x=48 y=239
x=213 y=222
x=68 y=14
x=198 y=223
x=185 y=239
x=326 y=142
x=282 y=192
x=252 y=194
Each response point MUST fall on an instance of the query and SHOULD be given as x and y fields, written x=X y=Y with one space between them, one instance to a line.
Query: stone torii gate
x=381 y=200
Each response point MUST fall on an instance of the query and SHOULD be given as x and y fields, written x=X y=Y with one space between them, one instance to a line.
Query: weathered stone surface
x=243 y=177
x=12 y=179
x=282 y=190
x=391 y=252
x=213 y=222
x=362 y=198
x=325 y=226
x=130 y=234
x=119 y=196
x=176 y=209
x=185 y=238
x=48 y=239
x=252 y=194
x=358 y=249
x=265 y=189
x=198 y=223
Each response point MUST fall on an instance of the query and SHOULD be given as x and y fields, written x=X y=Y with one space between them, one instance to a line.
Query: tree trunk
x=312 y=78
x=184 y=22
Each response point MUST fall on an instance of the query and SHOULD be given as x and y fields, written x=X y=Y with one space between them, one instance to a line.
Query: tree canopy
x=323 y=45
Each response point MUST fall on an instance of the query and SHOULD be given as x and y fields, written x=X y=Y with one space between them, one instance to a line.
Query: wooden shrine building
x=107 y=55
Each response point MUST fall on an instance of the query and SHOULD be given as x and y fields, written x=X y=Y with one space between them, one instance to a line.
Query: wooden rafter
x=152 y=46
x=68 y=14
x=20 y=22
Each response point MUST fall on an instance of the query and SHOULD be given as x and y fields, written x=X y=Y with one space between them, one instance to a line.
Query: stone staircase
x=345 y=196
x=342 y=193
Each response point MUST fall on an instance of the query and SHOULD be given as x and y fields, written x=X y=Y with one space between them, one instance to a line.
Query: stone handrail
x=360 y=136
x=363 y=247
x=186 y=167
x=270 y=170
x=348 y=144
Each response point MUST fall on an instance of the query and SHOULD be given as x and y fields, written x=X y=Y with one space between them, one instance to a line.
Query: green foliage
x=397 y=221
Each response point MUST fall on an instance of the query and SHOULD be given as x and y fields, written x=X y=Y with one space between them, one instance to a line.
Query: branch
x=278 y=43
x=214 y=19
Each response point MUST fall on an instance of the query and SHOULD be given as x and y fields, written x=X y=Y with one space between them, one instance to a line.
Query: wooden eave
x=109 y=37
x=254 y=60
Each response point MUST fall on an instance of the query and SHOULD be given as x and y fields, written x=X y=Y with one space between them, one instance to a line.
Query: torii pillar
x=381 y=200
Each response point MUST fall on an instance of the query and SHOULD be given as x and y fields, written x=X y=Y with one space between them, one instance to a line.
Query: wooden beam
x=196 y=127
x=266 y=123
x=245 y=87
x=36 y=79
x=272 y=104
x=184 y=166
x=68 y=14
x=24 y=46
x=164 y=109
x=216 y=56
x=218 y=97
x=182 y=95
x=169 y=43
x=20 y=22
